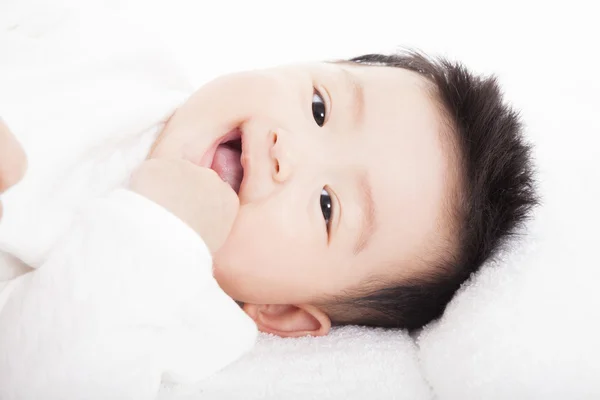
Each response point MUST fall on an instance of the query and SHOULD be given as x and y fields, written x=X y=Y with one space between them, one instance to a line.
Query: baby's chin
x=241 y=286
x=227 y=281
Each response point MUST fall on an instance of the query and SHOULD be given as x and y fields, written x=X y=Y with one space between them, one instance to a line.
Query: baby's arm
x=127 y=298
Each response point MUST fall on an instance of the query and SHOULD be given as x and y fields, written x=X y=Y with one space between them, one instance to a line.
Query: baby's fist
x=194 y=194
x=13 y=161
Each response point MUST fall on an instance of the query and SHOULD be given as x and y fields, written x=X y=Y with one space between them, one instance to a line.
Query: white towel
x=351 y=363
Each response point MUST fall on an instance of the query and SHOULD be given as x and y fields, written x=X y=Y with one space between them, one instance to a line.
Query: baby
x=361 y=192
x=369 y=189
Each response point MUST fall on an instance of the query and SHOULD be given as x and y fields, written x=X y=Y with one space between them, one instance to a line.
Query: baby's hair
x=495 y=196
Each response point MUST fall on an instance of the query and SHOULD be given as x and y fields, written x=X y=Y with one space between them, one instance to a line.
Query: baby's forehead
x=408 y=161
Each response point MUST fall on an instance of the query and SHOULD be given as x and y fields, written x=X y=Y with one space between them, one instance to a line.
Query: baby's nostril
x=274 y=137
x=277 y=166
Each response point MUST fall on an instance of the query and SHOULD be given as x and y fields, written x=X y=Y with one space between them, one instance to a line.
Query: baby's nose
x=282 y=160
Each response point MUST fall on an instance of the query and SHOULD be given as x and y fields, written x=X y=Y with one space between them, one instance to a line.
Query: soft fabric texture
x=122 y=295
x=124 y=300
x=350 y=363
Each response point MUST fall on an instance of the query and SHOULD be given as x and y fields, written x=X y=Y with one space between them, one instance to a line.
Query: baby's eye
x=318 y=108
x=326 y=206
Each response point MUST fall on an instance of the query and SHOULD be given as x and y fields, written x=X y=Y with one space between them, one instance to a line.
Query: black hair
x=496 y=194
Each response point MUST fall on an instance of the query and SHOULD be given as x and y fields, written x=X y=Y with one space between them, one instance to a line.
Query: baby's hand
x=194 y=194
x=13 y=162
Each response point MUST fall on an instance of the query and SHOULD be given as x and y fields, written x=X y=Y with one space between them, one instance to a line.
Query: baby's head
x=372 y=188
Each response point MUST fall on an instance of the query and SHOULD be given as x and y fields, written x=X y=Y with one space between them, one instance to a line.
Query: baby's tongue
x=226 y=164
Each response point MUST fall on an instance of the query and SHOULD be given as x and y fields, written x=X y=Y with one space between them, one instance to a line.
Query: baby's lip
x=207 y=159
x=245 y=161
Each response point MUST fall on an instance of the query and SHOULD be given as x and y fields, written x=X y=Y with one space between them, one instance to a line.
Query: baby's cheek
x=270 y=235
x=244 y=93
x=276 y=249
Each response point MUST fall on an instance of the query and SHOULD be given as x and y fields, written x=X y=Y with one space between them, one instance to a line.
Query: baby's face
x=344 y=180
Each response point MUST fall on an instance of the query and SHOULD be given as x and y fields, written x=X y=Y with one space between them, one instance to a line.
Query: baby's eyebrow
x=358 y=96
x=367 y=205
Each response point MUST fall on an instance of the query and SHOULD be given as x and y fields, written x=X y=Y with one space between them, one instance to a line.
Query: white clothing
x=122 y=293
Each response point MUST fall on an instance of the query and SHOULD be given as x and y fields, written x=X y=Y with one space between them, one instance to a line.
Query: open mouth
x=227 y=160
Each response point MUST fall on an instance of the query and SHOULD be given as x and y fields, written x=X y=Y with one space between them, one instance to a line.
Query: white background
x=545 y=53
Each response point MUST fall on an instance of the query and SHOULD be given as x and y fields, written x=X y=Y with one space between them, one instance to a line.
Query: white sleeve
x=125 y=300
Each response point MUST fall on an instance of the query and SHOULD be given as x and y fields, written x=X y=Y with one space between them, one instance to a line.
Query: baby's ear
x=289 y=320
